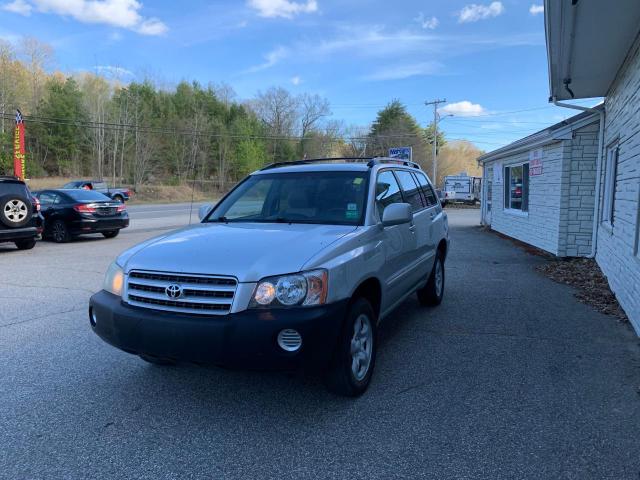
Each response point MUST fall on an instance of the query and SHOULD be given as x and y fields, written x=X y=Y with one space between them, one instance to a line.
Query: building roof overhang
x=587 y=43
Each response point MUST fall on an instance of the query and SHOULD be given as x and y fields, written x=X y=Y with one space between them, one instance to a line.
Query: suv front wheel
x=355 y=356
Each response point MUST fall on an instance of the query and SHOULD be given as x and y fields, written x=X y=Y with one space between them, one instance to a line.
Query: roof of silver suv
x=334 y=164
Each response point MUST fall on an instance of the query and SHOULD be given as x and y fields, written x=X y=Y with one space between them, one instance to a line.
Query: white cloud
x=427 y=23
x=399 y=72
x=283 y=8
x=270 y=60
x=18 y=6
x=117 y=13
x=463 y=109
x=475 y=12
x=296 y=80
x=113 y=71
x=536 y=9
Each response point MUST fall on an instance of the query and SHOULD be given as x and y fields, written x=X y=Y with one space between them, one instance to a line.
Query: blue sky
x=487 y=58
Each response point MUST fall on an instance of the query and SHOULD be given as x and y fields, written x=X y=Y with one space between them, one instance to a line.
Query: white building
x=540 y=189
x=593 y=51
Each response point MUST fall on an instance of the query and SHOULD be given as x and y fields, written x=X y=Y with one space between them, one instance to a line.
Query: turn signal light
x=121 y=208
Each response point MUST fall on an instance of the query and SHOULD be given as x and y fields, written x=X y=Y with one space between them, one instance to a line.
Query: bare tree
x=38 y=56
x=312 y=109
x=278 y=109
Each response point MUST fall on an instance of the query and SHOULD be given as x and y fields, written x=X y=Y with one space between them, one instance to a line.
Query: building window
x=610 y=181
x=516 y=187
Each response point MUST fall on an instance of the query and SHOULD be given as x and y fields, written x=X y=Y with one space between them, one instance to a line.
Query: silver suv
x=295 y=267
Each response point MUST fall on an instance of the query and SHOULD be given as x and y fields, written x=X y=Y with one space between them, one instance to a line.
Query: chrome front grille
x=194 y=294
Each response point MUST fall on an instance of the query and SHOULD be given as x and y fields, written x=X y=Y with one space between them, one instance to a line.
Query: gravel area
x=585 y=275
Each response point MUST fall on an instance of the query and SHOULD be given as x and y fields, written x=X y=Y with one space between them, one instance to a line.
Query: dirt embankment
x=143 y=194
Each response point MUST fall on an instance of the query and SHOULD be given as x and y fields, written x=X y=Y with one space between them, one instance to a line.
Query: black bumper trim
x=246 y=339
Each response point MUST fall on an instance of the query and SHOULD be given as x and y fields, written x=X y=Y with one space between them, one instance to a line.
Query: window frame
x=506 y=185
x=375 y=197
x=422 y=199
x=609 y=184
x=430 y=186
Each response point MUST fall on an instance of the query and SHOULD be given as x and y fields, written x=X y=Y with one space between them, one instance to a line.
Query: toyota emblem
x=173 y=291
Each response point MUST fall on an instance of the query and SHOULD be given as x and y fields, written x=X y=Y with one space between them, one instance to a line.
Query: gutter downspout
x=596 y=203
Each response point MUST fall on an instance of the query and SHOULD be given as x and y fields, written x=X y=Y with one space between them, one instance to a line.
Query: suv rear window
x=14 y=187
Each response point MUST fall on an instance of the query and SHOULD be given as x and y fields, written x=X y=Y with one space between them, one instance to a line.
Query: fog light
x=289 y=340
x=93 y=319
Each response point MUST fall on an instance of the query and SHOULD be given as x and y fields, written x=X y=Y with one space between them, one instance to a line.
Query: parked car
x=69 y=213
x=20 y=219
x=119 y=194
x=295 y=267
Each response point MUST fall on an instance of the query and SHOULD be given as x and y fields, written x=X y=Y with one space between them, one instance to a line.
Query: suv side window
x=387 y=190
x=411 y=190
x=430 y=195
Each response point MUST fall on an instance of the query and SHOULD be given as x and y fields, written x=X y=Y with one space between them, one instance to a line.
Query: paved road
x=509 y=378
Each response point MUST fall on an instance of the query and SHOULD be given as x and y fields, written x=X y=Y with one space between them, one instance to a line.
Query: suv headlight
x=114 y=279
x=298 y=289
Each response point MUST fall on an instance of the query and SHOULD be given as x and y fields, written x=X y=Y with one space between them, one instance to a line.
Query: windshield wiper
x=222 y=219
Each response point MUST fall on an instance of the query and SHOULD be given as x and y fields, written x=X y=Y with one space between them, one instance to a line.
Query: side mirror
x=204 y=210
x=397 y=214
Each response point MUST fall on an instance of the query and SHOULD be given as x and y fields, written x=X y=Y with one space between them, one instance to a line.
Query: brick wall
x=617 y=249
x=579 y=180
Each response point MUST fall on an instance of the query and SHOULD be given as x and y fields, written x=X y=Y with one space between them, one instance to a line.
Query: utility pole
x=435 y=104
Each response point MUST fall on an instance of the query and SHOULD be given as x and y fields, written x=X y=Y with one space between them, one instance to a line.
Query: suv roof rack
x=9 y=177
x=315 y=160
x=371 y=161
x=396 y=161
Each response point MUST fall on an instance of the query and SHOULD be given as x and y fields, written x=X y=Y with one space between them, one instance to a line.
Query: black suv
x=20 y=219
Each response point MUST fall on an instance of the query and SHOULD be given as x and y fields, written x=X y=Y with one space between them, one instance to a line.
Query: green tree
x=395 y=127
x=60 y=138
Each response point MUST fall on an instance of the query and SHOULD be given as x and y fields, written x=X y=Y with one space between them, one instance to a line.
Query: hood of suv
x=247 y=251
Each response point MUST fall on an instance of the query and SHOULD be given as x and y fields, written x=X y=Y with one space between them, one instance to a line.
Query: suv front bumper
x=246 y=339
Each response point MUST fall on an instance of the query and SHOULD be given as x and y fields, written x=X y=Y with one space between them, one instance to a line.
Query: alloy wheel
x=361 y=347
x=438 y=277
x=15 y=210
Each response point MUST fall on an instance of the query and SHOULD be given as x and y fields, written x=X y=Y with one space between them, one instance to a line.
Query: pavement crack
x=76 y=309
x=69 y=289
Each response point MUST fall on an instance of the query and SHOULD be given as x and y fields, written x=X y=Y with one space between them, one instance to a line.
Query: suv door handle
x=412 y=228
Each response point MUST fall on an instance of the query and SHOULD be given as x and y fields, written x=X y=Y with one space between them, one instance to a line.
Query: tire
x=59 y=232
x=118 y=198
x=15 y=211
x=433 y=292
x=350 y=371
x=111 y=234
x=26 y=244
x=163 y=362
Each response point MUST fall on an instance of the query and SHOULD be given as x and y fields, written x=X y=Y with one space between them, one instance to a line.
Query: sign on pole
x=19 y=168
x=402 y=153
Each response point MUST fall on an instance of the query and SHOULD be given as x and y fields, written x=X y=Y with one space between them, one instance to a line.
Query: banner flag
x=19 y=168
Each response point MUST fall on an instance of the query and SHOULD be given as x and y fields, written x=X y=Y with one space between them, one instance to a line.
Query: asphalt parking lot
x=510 y=377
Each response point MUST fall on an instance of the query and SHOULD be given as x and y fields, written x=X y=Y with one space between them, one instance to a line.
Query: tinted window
x=72 y=185
x=331 y=198
x=15 y=188
x=411 y=190
x=47 y=198
x=427 y=189
x=87 y=196
x=387 y=191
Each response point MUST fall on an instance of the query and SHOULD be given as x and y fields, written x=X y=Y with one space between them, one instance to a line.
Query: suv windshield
x=336 y=198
